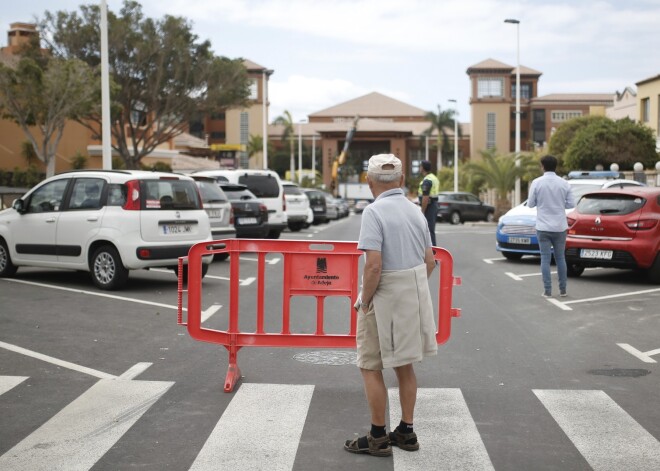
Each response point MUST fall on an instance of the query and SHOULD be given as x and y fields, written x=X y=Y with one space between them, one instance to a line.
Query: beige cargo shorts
x=368 y=345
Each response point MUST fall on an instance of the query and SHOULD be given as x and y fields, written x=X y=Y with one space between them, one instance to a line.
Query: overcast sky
x=325 y=52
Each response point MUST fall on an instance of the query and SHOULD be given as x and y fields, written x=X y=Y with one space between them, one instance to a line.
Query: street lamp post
x=106 y=132
x=517 y=187
x=300 y=123
x=455 y=145
x=264 y=120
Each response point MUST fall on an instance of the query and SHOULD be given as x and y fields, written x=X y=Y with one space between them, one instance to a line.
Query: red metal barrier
x=311 y=268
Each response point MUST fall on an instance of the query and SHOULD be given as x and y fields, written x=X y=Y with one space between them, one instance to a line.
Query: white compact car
x=297 y=206
x=104 y=222
x=266 y=185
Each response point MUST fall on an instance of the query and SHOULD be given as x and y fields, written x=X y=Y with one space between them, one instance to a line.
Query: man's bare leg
x=407 y=391
x=376 y=392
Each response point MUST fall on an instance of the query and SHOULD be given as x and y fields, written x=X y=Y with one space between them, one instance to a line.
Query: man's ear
x=403 y=180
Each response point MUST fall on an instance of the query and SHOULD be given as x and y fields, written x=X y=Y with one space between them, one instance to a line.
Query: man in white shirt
x=552 y=196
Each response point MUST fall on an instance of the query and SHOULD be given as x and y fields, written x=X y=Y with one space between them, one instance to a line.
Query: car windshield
x=579 y=190
x=292 y=190
x=236 y=193
x=263 y=186
x=211 y=192
x=610 y=204
x=170 y=194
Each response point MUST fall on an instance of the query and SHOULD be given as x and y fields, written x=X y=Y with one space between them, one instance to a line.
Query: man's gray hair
x=384 y=178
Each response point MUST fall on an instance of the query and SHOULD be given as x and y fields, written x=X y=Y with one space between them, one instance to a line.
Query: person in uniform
x=429 y=188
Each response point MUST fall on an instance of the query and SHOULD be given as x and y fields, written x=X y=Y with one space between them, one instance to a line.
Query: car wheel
x=490 y=216
x=7 y=268
x=574 y=269
x=653 y=273
x=107 y=270
x=512 y=255
x=220 y=257
x=295 y=226
x=455 y=218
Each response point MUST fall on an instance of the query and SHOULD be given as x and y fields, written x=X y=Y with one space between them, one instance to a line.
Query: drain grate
x=327 y=357
x=621 y=372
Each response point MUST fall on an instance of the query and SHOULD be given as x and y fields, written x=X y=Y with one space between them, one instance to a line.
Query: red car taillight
x=132 y=196
x=642 y=224
x=570 y=221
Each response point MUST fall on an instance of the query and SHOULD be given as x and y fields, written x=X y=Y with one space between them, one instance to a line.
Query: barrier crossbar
x=310 y=268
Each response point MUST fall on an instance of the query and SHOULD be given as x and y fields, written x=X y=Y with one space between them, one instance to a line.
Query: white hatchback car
x=297 y=206
x=104 y=222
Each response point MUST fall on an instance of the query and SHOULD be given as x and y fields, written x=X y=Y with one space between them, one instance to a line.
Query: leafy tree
x=41 y=94
x=79 y=161
x=440 y=122
x=162 y=74
x=255 y=145
x=288 y=134
x=587 y=142
x=499 y=172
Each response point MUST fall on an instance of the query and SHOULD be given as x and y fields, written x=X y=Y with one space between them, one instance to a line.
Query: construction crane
x=341 y=158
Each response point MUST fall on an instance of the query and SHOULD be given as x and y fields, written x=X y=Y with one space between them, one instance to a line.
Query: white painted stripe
x=559 y=304
x=644 y=356
x=135 y=370
x=511 y=275
x=56 y=361
x=210 y=311
x=81 y=433
x=612 y=296
x=248 y=281
x=260 y=429
x=448 y=437
x=93 y=293
x=272 y=261
x=9 y=382
x=607 y=437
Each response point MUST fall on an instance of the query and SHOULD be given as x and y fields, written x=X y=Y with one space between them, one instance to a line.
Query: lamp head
x=511 y=20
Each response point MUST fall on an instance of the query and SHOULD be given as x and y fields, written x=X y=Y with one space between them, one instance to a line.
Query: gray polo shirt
x=396 y=228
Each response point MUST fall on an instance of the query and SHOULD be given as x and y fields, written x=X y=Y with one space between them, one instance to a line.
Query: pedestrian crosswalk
x=262 y=427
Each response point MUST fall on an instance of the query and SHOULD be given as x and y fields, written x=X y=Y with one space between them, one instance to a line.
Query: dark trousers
x=431 y=215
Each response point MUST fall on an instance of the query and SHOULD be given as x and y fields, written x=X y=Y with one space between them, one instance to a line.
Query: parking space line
x=270 y=262
x=210 y=311
x=490 y=261
x=93 y=293
x=56 y=361
x=135 y=370
x=612 y=296
x=515 y=277
x=644 y=356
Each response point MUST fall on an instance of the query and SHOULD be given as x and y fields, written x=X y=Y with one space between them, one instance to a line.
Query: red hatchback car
x=615 y=228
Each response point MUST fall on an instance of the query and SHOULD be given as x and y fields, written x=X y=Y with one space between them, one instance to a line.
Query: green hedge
x=20 y=178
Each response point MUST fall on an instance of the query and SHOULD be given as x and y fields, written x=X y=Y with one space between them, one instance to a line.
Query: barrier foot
x=233 y=375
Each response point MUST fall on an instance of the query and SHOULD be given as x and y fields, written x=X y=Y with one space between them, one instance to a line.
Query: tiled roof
x=252 y=65
x=490 y=64
x=415 y=128
x=586 y=98
x=375 y=105
x=526 y=71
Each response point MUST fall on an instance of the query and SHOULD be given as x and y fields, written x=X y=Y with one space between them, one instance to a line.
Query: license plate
x=246 y=221
x=214 y=213
x=176 y=228
x=600 y=254
x=318 y=208
x=520 y=240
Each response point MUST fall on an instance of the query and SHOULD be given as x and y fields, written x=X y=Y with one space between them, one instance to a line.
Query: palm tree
x=288 y=134
x=440 y=122
x=499 y=172
x=255 y=146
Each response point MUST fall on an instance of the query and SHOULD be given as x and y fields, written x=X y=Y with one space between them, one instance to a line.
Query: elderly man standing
x=395 y=326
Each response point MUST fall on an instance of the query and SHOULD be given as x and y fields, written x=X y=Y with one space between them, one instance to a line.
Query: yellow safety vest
x=435 y=185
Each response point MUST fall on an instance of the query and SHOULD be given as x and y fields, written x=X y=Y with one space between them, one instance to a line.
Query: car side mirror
x=18 y=205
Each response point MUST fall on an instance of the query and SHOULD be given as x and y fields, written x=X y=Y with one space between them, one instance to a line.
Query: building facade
x=493 y=108
x=648 y=105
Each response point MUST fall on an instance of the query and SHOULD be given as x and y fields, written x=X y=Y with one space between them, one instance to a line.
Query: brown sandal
x=377 y=446
x=405 y=441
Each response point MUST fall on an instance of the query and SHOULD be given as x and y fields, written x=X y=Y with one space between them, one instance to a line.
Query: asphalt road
x=108 y=381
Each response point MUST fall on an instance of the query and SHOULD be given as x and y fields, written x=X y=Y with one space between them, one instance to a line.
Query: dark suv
x=460 y=206
x=318 y=204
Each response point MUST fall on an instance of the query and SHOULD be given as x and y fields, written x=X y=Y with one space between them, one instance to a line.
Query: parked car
x=318 y=204
x=616 y=228
x=249 y=213
x=516 y=230
x=331 y=207
x=104 y=222
x=459 y=206
x=297 y=206
x=266 y=185
x=218 y=209
x=360 y=205
x=342 y=207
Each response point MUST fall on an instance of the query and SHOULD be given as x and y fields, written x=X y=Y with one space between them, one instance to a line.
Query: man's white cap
x=377 y=162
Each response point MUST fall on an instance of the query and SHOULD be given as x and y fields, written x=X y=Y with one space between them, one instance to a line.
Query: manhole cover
x=621 y=372
x=327 y=357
